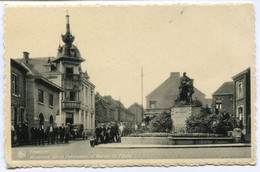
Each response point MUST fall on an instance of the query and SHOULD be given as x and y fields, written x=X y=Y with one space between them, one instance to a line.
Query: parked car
x=76 y=131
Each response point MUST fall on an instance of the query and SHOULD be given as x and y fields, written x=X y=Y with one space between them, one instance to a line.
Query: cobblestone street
x=81 y=150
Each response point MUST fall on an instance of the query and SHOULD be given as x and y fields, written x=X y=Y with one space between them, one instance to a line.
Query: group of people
x=53 y=134
x=107 y=133
x=39 y=135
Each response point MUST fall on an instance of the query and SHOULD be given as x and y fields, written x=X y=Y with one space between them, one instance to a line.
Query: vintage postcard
x=129 y=85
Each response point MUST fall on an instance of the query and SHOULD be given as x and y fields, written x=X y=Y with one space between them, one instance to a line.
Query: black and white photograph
x=129 y=85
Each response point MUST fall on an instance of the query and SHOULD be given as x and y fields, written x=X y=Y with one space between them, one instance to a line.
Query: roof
x=225 y=89
x=37 y=74
x=38 y=63
x=63 y=53
x=241 y=73
x=18 y=65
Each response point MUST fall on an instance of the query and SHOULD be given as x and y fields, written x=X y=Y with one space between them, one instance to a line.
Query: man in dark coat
x=98 y=133
x=25 y=132
x=112 y=132
x=62 y=132
x=56 y=133
x=67 y=133
x=19 y=134
x=41 y=135
x=34 y=134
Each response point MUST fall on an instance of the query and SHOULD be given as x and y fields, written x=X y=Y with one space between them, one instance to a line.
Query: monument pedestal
x=179 y=113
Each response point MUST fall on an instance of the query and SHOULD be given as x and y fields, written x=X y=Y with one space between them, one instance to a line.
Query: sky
x=210 y=43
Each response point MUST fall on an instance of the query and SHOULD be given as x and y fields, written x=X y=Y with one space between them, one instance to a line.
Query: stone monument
x=184 y=105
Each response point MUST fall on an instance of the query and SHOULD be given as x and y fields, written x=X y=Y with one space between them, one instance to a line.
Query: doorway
x=69 y=118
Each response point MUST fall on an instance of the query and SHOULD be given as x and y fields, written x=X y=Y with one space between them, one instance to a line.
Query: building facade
x=242 y=100
x=223 y=98
x=118 y=110
x=41 y=96
x=18 y=93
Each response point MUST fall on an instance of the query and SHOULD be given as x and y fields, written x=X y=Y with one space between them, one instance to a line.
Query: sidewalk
x=132 y=146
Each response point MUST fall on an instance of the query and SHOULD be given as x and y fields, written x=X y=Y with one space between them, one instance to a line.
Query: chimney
x=175 y=74
x=26 y=56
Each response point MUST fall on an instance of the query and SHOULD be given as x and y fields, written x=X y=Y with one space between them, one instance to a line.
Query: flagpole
x=142 y=92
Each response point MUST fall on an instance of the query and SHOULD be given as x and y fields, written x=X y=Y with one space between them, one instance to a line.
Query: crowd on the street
x=53 y=134
x=39 y=136
x=106 y=133
x=110 y=132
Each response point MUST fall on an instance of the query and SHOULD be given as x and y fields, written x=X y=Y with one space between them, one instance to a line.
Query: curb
x=170 y=146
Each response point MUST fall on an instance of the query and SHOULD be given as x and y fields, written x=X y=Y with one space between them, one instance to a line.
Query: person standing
x=41 y=135
x=116 y=132
x=19 y=134
x=98 y=133
x=108 y=129
x=67 y=133
x=34 y=133
x=12 y=133
x=50 y=133
x=103 y=133
x=56 y=133
x=62 y=132
x=121 y=129
x=112 y=132
x=25 y=132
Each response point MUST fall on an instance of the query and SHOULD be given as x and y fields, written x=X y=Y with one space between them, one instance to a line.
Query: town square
x=86 y=85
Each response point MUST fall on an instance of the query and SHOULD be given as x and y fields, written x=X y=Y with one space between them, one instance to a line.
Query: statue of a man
x=186 y=88
x=184 y=80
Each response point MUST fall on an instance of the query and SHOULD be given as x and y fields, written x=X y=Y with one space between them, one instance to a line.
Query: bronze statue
x=186 y=89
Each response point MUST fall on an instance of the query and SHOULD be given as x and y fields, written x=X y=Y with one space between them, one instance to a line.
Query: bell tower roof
x=68 y=51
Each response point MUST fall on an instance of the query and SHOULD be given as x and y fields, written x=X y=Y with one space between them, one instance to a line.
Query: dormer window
x=152 y=104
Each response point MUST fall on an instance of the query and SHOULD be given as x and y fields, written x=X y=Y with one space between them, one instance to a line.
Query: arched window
x=51 y=119
x=41 y=119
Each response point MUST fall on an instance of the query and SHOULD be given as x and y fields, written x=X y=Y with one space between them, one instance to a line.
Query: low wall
x=175 y=140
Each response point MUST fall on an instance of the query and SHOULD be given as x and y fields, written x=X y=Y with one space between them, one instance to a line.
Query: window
x=218 y=105
x=152 y=104
x=15 y=84
x=239 y=90
x=41 y=119
x=86 y=100
x=69 y=73
x=72 y=96
x=41 y=96
x=50 y=99
x=91 y=99
x=51 y=119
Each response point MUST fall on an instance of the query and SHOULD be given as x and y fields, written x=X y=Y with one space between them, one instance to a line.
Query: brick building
x=223 y=98
x=105 y=111
x=242 y=100
x=163 y=97
x=119 y=111
x=41 y=96
x=18 y=93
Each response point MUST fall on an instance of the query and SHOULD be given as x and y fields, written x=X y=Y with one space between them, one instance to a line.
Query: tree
x=205 y=122
x=161 y=123
x=201 y=122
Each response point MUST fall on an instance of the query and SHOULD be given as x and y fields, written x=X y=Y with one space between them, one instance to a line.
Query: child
x=93 y=140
